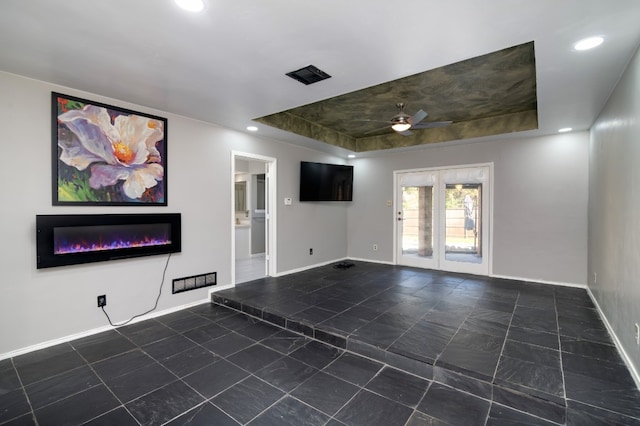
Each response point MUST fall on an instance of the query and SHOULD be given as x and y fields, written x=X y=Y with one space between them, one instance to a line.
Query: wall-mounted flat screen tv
x=325 y=182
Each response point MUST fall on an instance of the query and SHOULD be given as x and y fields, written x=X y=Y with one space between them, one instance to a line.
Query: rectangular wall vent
x=308 y=75
x=196 y=281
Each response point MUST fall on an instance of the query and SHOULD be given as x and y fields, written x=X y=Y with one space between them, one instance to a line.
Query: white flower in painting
x=122 y=151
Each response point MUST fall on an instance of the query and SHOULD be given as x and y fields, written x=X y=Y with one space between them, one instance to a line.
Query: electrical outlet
x=595 y=278
x=375 y=247
x=102 y=301
x=637 y=334
x=310 y=251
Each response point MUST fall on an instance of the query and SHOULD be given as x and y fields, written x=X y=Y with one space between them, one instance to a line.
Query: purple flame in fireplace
x=73 y=239
x=82 y=239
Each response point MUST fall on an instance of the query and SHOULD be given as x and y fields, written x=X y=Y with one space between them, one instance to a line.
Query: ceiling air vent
x=309 y=75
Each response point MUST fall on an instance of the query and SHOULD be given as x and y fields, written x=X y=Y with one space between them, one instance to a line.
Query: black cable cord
x=150 y=310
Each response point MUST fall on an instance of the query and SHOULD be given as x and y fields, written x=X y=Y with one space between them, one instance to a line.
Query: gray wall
x=614 y=206
x=38 y=306
x=540 y=219
x=540 y=203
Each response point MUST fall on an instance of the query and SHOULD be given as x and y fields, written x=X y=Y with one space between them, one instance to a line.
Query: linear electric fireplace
x=72 y=239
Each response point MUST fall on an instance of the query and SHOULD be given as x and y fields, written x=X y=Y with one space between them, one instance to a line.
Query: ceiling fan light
x=401 y=126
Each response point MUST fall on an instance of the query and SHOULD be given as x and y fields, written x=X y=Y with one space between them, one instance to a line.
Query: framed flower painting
x=107 y=156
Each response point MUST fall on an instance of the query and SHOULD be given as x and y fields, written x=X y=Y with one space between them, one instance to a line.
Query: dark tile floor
x=369 y=345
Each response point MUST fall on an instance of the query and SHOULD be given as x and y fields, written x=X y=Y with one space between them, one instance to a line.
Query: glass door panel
x=416 y=220
x=462 y=222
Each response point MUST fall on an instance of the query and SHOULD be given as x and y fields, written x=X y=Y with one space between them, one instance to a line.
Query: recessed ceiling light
x=252 y=128
x=191 y=5
x=565 y=129
x=588 y=43
x=351 y=156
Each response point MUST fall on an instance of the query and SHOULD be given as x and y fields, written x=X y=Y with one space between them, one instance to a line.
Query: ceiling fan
x=402 y=122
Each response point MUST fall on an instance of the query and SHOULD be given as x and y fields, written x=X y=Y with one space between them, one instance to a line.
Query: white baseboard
x=54 y=342
x=507 y=277
x=533 y=280
x=616 y=341
x=93 y=331
x=220 y=288
x=382 y=262
x=304 y=268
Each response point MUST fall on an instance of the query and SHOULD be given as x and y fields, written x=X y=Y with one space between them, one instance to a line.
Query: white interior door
x=443 y=219
x=269 y=209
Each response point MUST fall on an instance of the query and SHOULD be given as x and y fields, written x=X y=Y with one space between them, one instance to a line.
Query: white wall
x=38 y=306
x=614 y=210
x=540 y=203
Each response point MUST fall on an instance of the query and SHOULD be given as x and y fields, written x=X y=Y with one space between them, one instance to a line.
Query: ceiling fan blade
x=418 y=117
x=406 y=133
x=432 y=125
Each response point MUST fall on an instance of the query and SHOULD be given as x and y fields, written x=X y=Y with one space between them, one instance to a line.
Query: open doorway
x=253 y=213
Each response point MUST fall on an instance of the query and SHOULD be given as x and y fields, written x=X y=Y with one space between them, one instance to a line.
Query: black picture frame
x=104 y=155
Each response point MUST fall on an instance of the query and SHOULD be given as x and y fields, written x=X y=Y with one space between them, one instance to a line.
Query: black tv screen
x=325 y=182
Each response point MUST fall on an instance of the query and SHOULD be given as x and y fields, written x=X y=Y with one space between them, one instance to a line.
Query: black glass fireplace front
x=72 y=239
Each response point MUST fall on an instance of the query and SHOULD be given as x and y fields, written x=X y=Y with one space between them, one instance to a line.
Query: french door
x=442 y=218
